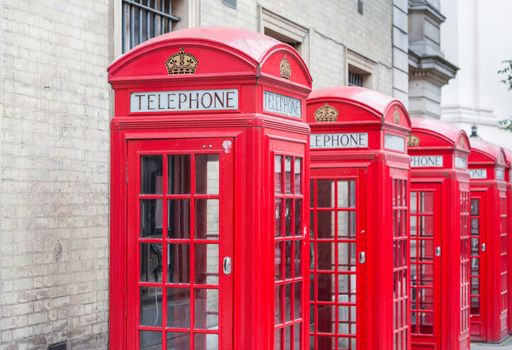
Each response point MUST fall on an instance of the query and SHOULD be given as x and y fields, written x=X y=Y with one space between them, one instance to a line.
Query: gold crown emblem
x=326 y=113
x=413 y=141
x=285 y=70
x=181 y=63
x=396 y=116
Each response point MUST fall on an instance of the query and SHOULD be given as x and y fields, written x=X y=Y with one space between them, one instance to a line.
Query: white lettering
x=281 y=104
x=426 y=161
x=190 y=100
x=478 y=173
x=355 y=140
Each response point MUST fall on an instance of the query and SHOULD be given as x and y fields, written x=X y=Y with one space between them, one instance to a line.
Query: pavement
x=506 y=345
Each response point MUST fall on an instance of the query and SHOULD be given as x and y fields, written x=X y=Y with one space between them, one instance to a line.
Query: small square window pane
x=207 y=173
x=179 y=263
x=179 y=173
x=151 y=174
x=151 y=218
x=297 y=170
x=150 y=262
x=179 y=218
x=325 y=193
x=150 y=306
x=150 y=340
x=178 y=341
x=277 y=174
x=206 y=342
x=178 y=307
x=206 y=309
x=288 y=174
x=206 y=263
x=207 y=219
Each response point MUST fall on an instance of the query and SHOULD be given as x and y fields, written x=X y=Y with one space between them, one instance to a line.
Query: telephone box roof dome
x=490 y=151
x=216 y=50
x=508 y=156
x=442 y=130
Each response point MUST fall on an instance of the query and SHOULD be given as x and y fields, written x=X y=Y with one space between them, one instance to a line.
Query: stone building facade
x=55 y=107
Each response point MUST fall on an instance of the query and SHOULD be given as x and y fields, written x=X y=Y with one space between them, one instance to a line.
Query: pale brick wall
x=54 y=173
x=334 y=27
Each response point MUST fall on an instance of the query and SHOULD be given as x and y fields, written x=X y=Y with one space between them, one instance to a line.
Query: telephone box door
x=426 y=281
x=338 y=248
x=478 y=266
x=180 y=244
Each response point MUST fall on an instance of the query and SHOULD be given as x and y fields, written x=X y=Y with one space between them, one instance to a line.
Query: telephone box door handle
x=483 y=247
x=362 y=257
x=438 y=251
x=226 y=265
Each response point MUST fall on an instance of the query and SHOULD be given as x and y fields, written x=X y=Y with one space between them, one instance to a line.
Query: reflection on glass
x=474 y=226
x=150 y=262
x=413 y=202
x=325 y=193
x=288 y=217
x=178 y=341
x=278 y=214
x=151 y=218
x=206 y=341
x=178 y=307
x=278 y=301
x=278 y=257
x=150 y=340
x=325 y=255
x=288 y=174
x=475 y=206
x=179 y=263
x=277 y=174
x=298 y=300
x=151 y=174
x=179 y=173
x=206 y=263
x=206 y=309
x=297 y=169
x=326 y=224
x=426 y=202
x=179 y=218
x=207 y=173
x=288 y=257
x=207 y=219
x=298 y=257
x=288 y=295
x=298 y=217
x=150 y=306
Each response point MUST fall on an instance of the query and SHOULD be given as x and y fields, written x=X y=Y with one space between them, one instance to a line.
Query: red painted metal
x=440 y=243
x=248 y=164
x=508 y=179
x=489 y=263
x=359 y=226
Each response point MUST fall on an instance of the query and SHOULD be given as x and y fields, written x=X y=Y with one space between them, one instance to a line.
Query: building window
x=355 y=79
x=145 y=19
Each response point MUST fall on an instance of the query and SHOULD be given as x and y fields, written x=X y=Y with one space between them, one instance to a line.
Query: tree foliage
x=506 y=74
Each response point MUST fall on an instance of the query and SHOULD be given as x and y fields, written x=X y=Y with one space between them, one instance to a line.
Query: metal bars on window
x=355 y=79
x=145 y=19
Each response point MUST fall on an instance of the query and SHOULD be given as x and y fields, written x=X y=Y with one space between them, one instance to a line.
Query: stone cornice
x=433 y=68
x=427 y=9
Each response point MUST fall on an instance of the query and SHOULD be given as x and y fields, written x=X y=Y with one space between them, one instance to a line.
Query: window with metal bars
x=145 y=19
x=355 y=79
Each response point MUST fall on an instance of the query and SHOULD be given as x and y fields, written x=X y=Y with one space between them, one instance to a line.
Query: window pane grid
x=400 y=263
x=475 y=256
x=333 y=266
x=145 y=19
x=504 y=260
x=288 y=241
x=464 y=262
x=179 y=253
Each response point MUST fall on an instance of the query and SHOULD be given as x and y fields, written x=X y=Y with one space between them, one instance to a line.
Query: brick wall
x=334 y=27
x=54 y=173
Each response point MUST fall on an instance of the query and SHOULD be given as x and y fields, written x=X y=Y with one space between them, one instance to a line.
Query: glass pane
x=151 y=218
x=178 y=341
x=288 y=217
x=278 y=214
x=474 y=226
x=150 y=262
x=206 y=342
x=325 y=193
x=150 y=340
x=346 y=256
x=297 y=169
x=288 y=261
x=288 y=301
x=179 y=173
x=346 y=224
x=179 y=218
x=343 y=194
x=206 y=263
x=325 y=256
x=207 y=173
x=298 y=258
x=277 y=339
x=413 y=202
x=298 y=301
x=278 y=301
x=207 y=219
x=277 y=174
x=151 y=174
x=206 y=309
x=326 y=224
x=178 y=307
x=150 y=306
x=475 y=207
x=288 y=174
x=179 y=263
x=278 y=258
x=298 y=217
x=426 y=202
x=326 y=287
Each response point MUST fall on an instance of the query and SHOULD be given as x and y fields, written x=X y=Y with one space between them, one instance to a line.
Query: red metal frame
x=378 y=165
x=246 y=140
x=487 y=165
x=439 y=235
x=508 y=179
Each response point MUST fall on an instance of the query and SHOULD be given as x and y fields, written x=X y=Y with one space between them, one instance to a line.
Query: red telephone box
x=359 y=220
x=208 y=223
x=489 y=263
x=508 y=179
x=439 y=215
